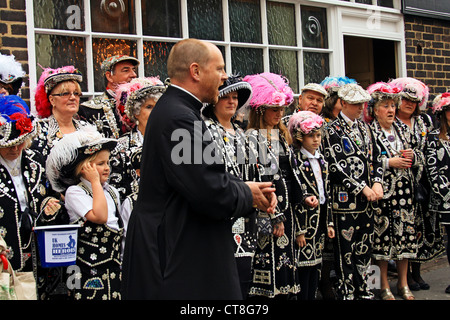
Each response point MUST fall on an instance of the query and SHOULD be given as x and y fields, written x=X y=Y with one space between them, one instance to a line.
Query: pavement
x=436 y=273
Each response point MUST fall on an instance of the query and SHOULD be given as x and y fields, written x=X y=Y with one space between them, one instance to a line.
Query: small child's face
x=102 y=165
x=311 y=142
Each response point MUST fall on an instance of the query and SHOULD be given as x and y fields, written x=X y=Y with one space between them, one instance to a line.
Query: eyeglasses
x=68 y=94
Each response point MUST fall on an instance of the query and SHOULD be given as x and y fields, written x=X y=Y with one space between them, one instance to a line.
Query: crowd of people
x=205 y=186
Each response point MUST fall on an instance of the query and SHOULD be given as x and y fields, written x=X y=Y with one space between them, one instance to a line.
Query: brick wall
x=13 y=39
x=428 y=52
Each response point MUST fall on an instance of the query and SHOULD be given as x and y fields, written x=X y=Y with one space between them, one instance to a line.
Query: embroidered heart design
x=237 y=239
x=381 y=224
x=348 y=234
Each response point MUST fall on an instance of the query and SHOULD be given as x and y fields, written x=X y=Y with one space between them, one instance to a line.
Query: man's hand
x=264 y=197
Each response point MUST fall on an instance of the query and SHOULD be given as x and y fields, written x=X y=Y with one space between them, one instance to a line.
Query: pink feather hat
x=380 y=91
x=413 y=89
x=441 y=102
x=49 y=79
x=304 y=122
x=269 y=90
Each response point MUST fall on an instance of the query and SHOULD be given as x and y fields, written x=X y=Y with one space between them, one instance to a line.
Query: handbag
x=15 y=285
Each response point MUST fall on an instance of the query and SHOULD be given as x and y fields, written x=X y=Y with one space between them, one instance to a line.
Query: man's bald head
x=183 y=54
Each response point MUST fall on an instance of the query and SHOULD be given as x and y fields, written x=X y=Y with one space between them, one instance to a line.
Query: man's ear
x=194 y=70
x=108 y=76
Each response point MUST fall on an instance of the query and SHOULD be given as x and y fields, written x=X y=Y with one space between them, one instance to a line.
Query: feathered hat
x=302 y=123
x=11 y=73
x=128 y=96
x=49 y=79
x=233 y=83
x=16 y=122
x=441 y=103
x=413 y=89
x=70 y=150
x=269 y=90
x=353 y=93
x=332 y=84
x=380 y=91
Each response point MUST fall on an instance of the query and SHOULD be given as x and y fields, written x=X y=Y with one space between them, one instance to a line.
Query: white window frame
x=335 y=11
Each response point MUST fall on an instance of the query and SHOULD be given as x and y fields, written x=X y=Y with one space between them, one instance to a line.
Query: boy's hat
x=68 y=152
x=353 y=93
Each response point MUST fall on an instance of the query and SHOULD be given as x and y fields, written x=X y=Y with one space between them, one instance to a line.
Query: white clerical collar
x=174 y=85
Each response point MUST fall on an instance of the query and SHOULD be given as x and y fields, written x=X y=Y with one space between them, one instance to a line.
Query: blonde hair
x=63 y=85
x=256 y=121
x=80 y=165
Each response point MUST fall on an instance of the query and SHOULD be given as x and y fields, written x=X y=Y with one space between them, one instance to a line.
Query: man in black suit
x=179 y=243
x=355 y=178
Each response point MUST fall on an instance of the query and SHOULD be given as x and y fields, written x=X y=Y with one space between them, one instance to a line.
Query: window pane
x=161 y=18
x=364 y=1
x=316 y=66
x=248 y=11
x=205 y=19
x=246 y=61
x=314 y=27
x=281 y=23
x=104 y=48
x=56 y=14
x=285 y=63
x=386 y=3
x=155 y=59
x=57 y=51
x=113 y=16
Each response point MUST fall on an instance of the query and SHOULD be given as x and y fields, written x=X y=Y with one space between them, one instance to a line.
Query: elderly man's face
x=123 y=72
x=312 y=101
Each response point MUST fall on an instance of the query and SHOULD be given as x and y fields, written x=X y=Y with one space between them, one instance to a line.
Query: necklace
x=14 y=170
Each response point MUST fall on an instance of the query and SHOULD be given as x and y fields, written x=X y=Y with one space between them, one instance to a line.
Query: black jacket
x=178 y=243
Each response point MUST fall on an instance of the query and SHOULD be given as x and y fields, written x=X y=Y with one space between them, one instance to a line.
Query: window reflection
x=54 y=51
x=285 y=63
x=250 y=12
x=316 y=66
x=161 y=18
x=56 y=14
x=103 y=48
x=246 y=61
x=155 y=58
x=314 y=27
x=113 y=16
x=205 y=19
x=281 y=23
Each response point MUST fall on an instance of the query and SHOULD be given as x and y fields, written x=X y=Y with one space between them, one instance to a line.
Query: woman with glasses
x=57 y=100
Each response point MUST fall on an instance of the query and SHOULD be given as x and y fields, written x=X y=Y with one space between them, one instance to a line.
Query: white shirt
x=78 y=203
x=315 y=166
x=18 y=182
